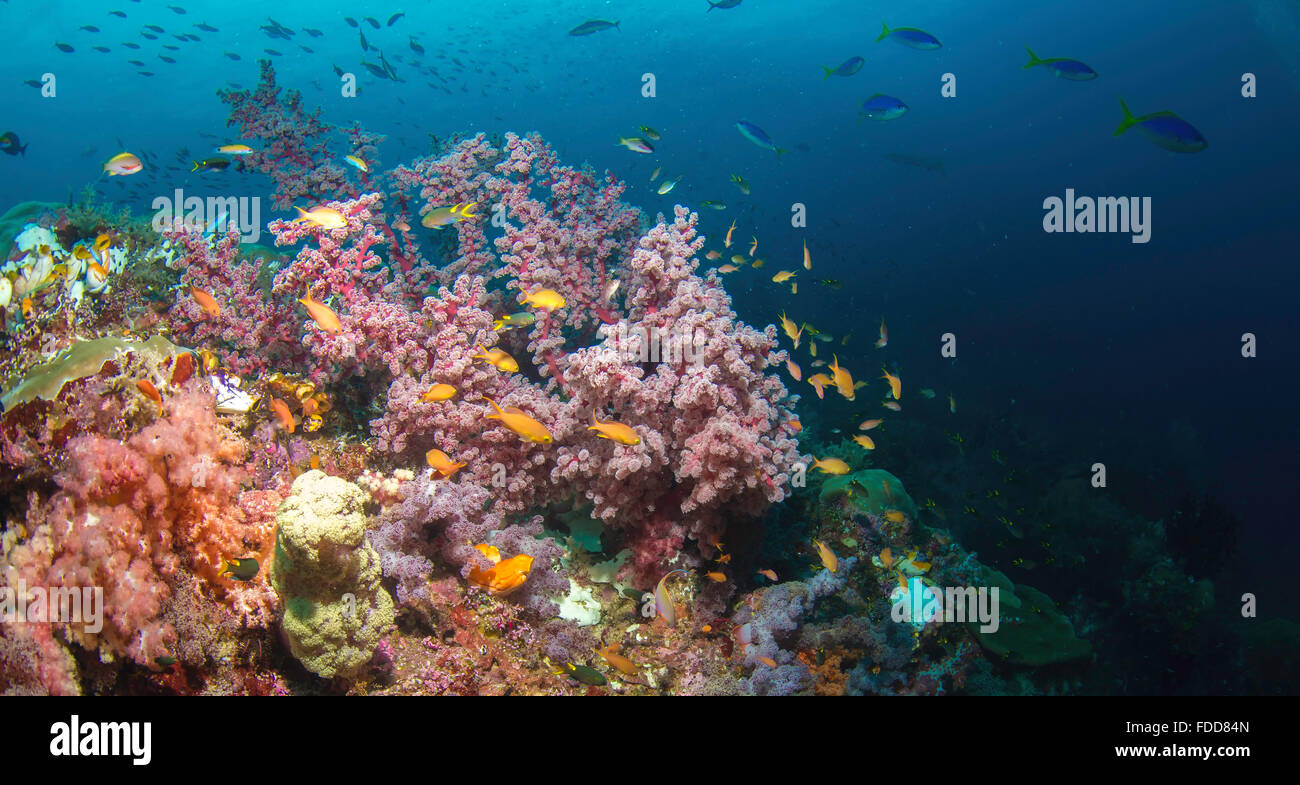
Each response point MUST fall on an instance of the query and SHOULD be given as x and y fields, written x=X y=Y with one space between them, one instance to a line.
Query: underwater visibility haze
x=649 y=348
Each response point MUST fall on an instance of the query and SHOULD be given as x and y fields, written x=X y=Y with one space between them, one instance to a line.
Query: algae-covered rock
x=1032 y=631
x=12 y=222
x=873 y=491
x=82 y=359
x=328 y=576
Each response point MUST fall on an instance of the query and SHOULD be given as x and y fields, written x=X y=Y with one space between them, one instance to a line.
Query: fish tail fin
x=494 y=406
x=780 y=152
x=1033 y=59
x=711 y=4
x=884 y=32
x=196 y=166
x=1129 y=119
x=828 y=73
x=616 y=27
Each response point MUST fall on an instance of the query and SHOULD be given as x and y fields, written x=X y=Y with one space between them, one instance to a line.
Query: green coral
x=1032 y=631
x=873 y=491
x=336 y=610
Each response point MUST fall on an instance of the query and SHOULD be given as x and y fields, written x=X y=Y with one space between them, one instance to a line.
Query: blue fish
x=1063 y=67
x=882 y=107
x=1166 y=129
x=910 y=37
x=593 y=26
x=759 y=137
x=847 y=68
x=722 y=4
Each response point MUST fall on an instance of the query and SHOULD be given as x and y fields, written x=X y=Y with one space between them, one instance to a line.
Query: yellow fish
x=615 y=431
x=324 y=217
x=727 y=242
x=738 y=259
x=829 y=561
x=324 y=317
x=438 y=392
x=830 y=466
x=952 y=404
x=546 y=299
x=807 y=260
x=843 y=379
x=235 y=149
x=895 y=384
x=790 y=331
x=498 y=358
x=523 y=425
x=782 y=276
x=864 y=441
x=442 y=464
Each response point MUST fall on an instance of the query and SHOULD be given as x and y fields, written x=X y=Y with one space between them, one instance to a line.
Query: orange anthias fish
x=895 y=384
x=864 y=441
x=503 y=577
x=282 y=414
x=769 y=574
x=515 y=420
x=895 y=516
x=830 y=465
x=438 y=392
x=441 y=463
x=829 y=561
x=324 y=317
x=843 y=379
x=145 y=386
x=206 y=301
x=727 y=242
x=869 y=424
x=497 y=358
x=615 y=431
x=618 y=661
x=892 y=406
x=716 y=577
x=819 y=382
x=794 y=370
x=884 y=335
x=664 y=602
x=768 y=661
x=807 y=260
x=796 y=426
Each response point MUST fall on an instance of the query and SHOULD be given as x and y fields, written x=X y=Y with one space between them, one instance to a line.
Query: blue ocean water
x=1110 y=351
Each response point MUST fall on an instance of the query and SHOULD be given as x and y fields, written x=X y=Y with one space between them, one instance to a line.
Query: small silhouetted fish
x=593 y=26
x=305 y=49
x=365 y=47
x=272 y=52
x=337 y=70
x=232 y=55
x=150 y=36
x=64 y=47
x=89 y=28
x=314 y=33
x=350 y=21
x=136 y=63
x=155 y=28
x=166 y=59
x=101 y=48
x=145 y=73
x=205 y=27
x=392 y=20
x=177 y=9
x=373 y=22
x=376 y=70
x=121 y=14
x=170 y=47
x=33 y=83
x=416 y=47
x=131 y=45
